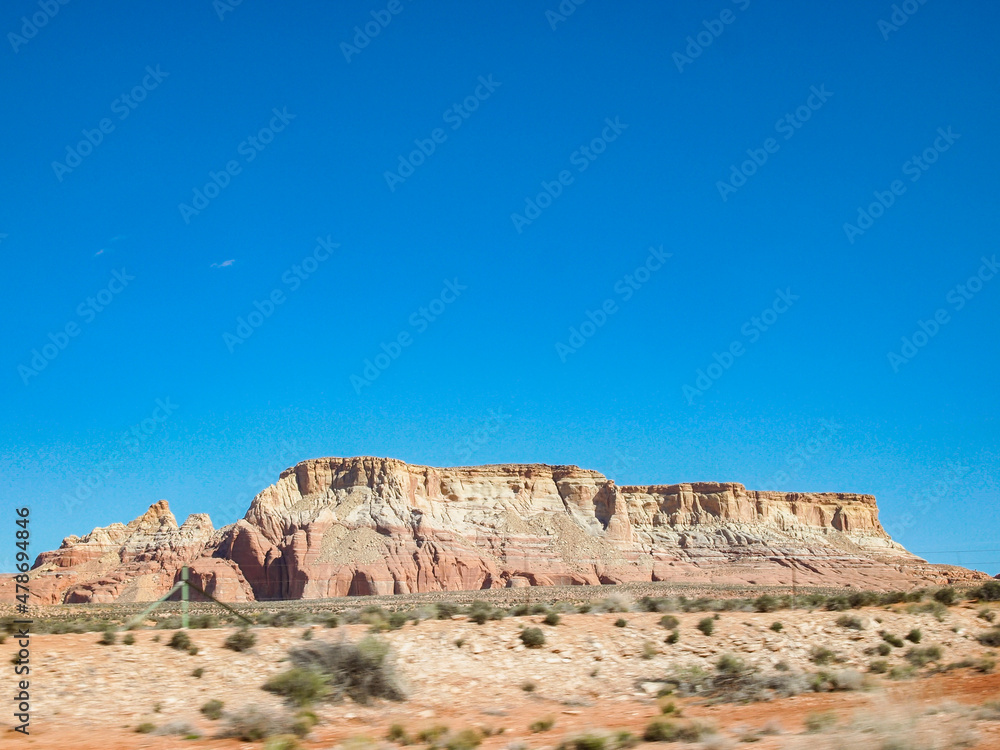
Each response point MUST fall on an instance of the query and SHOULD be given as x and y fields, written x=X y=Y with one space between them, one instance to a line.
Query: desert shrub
x=542 y=725
x=241 y=640
x=669 y=622
x=672 y=638
x=902 y=672
x=431 y=735
x=180 y=641
x=706 y=625
x=360 y=671
x=212 y=710
x=648 y=650
x=203 y=621
x=986 y=614
x=300 y=686
x=947 y=596
x=331 y=621
x=729 y=664
x=616 y=603
x=892 y=640
x=846 y=679
x=533 y=637
x=252 y=724
x=657 y=604
x=552 y=618
x=860 y=599
x=851 y=622
x=589 y=741
x=765 y=603
x=584 y=608
x=892 y=597
x=621 y=622
x=108 y=638
x=879 y=666
x=528 y=686
x=178 y=727
x=467 y=739
x=838 y=603
x=818 y=722
x=146 y=728
x=129 y=639
x=917 y=595
x=286 y=618
x=914 y=635
x=538 y=608
x=820 y=655
x=446 y=610
x=988 y=592
x=920 y=657
x=661 y=730
x=397 y=620
x=397 y=733
x=990 y=638
x=480 y=612
x=883 y=649
x=777 y=627
x=197 y=673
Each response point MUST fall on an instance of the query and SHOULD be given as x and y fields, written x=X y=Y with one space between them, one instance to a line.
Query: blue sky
x=602 y=243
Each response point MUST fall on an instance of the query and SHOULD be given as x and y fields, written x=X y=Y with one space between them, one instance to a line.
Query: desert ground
x=905 y=674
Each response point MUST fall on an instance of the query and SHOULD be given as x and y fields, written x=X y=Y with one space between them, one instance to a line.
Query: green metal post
x=184 y=597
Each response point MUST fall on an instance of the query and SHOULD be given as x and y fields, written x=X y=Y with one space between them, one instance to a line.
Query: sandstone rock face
x=354 y=526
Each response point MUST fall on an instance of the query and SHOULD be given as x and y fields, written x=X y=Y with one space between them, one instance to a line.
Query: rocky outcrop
x=354 y=526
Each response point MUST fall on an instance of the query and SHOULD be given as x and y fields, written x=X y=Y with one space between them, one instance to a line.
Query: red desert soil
x=589 y=676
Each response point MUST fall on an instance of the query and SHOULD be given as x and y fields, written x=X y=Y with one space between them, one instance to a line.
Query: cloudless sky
x=812 y=402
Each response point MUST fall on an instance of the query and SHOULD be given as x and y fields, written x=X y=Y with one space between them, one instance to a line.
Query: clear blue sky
x=493 y=360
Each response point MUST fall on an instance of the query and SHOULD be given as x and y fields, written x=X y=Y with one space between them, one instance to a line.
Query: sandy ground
x=590 y=675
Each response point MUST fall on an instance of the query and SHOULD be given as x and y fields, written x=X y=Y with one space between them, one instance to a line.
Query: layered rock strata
x=354 y=526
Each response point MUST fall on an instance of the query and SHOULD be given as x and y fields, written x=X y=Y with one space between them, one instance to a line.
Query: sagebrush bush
x=181 y=641
x=302 y=687
x=533 y=637
x=669 y=622
x=213 y=709
x=892 y=640
x=621 y=622
x=241 y=640
x=397 y=733
x=990 y=638
x=552 y=618
x=820 y=655
x=252 y=724
x=879 y=666
x=777 y=627
x=542 y=725
x=706 y=625
x=129 y=639
x=914 y=635
x=920 y=657
x=672 y=638
x=765 y=603
x=947 y=596
x=360 y=671
x=851 y=622
x=108 y=638
x=988 y=592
